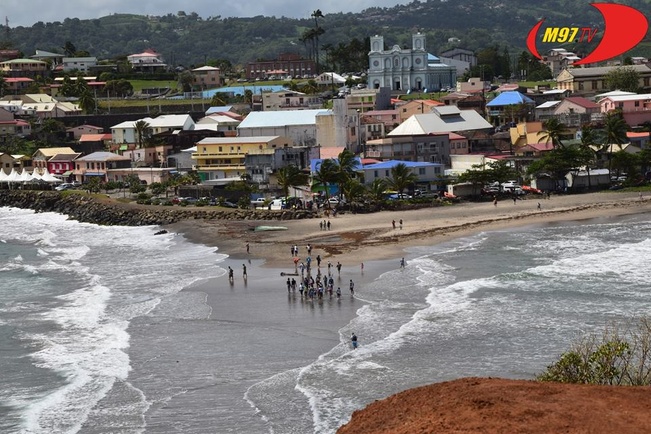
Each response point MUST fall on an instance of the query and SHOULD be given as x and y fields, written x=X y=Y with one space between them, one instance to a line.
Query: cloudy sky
x=26 y=13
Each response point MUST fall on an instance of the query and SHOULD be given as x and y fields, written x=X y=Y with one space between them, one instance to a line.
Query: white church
x=404 y=69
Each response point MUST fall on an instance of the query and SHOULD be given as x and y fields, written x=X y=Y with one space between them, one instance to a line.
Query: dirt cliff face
x=489 y=405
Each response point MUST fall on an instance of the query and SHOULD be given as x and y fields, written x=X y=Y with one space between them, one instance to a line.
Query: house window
x=437 y=170
x=375 y=174
x=421 y=170
x=637 y=103
x=594 y=84
x=386 y=173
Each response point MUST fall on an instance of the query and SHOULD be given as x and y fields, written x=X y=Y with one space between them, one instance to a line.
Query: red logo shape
x=624 y=28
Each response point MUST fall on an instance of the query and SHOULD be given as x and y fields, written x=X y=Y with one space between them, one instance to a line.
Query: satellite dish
x=408 y=91
x=425 y=90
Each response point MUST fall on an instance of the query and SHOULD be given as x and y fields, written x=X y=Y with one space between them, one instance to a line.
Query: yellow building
x=223 y=157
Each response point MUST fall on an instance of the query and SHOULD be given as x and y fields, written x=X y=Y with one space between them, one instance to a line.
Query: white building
x=408 y=68
x=81 y=64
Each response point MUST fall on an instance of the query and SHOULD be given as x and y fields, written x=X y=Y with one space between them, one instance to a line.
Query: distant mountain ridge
x=189 y=40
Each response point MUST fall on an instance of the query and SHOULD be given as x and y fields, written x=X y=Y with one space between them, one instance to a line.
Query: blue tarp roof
x=393 y=163
x=510 y=98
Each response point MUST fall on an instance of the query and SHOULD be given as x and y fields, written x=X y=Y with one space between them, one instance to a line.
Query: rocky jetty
x=106 y=211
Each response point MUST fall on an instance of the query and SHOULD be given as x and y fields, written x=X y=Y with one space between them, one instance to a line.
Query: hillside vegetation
x=188 y=39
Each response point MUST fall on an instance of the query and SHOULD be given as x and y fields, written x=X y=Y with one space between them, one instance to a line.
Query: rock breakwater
x=106 y=211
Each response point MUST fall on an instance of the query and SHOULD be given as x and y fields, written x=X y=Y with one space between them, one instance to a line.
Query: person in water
x=353 y=339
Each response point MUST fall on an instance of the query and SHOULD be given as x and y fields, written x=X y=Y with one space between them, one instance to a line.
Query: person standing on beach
x=400 y=223
x=247 y=247
x=230 y=274
x=495 y=201
x=393 y=223
x=338 y=267
x=244 y=271
x=289 y=285
x=352 y=287
x=328 y=224
x=353 y=340
x=402 y=263
x=539 y=206
x=318 y=260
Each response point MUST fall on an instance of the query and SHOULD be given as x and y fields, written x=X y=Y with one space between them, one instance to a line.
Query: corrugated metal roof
x=281 y=118
x=548 y=104
x=432 y=123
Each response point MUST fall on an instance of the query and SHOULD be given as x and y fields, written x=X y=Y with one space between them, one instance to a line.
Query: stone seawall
x=92 y=210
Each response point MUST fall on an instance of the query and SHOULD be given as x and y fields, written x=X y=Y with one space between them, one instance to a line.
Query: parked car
x=64 y=186
x=228 y=204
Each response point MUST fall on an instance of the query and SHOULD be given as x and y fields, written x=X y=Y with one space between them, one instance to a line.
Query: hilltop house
x=148 y=61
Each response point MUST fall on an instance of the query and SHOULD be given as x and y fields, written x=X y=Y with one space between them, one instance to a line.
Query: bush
x=616 y=357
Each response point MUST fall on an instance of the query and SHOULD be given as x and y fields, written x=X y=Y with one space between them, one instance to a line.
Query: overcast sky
x=26 y=13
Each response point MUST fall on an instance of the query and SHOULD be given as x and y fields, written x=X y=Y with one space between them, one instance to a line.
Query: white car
x=64 y=186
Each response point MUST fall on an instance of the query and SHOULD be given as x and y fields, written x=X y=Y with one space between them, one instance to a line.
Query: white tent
x=25 y=176
x=3 y=175
x=13 y=176
x=48 y=177
x=36 y=176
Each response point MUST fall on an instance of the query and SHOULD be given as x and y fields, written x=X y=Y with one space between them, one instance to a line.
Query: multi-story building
x=591 y=81
x=558 y=59
x=290 y=100
x=402 y=69
x=287 y=65
x=24 y=68
x=635 y=108
x=148 y=61
x=206 y=77
x=224 y=157
x=82 y=64
x=97 y=165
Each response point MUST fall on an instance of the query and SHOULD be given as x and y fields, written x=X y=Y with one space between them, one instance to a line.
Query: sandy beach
x=356 y=238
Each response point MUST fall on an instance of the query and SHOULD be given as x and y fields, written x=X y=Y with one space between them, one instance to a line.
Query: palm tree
x=401 y=177
x=552 y=132
x=4 y=86
x=615 y=128
x=588 y=140
x=378 y=189
x=317 y=32
x=143 y=131
x=325 y=175
x=290 y=176
x=87 y=101
x=346 y=164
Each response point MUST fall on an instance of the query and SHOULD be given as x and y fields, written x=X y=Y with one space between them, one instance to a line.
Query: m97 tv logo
x=624 y=28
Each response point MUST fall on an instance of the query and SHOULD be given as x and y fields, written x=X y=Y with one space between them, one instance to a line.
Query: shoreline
x=356 y=238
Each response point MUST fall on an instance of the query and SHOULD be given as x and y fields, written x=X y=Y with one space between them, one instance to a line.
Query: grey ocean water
x=111 y=329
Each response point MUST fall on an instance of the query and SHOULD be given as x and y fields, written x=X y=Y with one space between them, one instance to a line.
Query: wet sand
x=357 y=238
